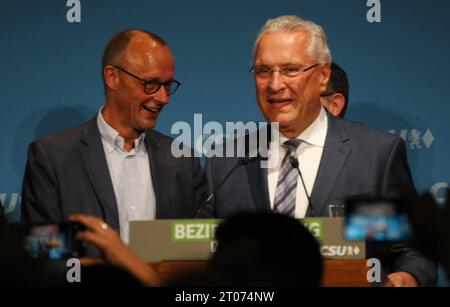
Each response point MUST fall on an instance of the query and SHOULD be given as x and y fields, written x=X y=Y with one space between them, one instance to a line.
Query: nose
x=162 y=96
x=276 y=81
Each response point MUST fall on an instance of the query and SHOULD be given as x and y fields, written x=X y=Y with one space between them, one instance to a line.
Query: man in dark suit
x=337 y=158
x=116 y=166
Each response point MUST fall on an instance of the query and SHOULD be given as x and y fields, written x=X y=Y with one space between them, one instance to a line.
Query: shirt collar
x=112 y=140
x=139 y=144
x=315 y=134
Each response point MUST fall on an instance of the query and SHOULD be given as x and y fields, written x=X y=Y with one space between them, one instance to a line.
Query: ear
x=324 y=77
x=335 y=104
x=111 y=77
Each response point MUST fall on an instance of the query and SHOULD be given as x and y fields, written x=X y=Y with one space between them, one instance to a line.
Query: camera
x=53 y=241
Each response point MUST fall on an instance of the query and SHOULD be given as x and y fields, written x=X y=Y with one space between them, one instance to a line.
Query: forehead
x=283 y=47
x=144 y=54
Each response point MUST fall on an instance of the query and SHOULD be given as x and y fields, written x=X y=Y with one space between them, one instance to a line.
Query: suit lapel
x=94 y=158
x=334 y=155
x=160 y=173
x=257 y=179
x=257 y=176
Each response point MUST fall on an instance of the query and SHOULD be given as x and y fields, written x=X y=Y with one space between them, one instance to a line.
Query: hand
x=115 y=252
x=401 y=279
x=107 y=239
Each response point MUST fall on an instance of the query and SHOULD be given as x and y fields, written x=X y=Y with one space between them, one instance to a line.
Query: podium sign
x=175 y=240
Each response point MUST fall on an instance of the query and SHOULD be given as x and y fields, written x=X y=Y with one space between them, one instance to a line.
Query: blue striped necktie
x=286 y=190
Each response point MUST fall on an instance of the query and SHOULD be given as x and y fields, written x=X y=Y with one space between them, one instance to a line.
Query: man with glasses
x=116 y=166
x=335 y=98
x=321 y=159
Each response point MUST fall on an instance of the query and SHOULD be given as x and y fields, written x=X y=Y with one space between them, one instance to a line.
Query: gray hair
x=318 y=47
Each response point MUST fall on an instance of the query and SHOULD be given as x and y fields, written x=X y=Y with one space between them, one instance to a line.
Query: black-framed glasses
x=151 y=86
x=263 y=72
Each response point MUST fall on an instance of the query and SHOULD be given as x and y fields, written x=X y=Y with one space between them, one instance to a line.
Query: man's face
x=134 y=109
x=293 y=102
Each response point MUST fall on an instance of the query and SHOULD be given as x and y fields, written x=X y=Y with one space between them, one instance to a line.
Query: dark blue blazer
x=67 y=173
x=357 y=161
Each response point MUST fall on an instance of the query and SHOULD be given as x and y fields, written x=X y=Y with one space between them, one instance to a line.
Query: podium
x=337 y=273
x=177 y=247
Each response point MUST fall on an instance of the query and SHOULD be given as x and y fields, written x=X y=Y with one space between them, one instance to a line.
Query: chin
x=148 y=125
x=282 y=120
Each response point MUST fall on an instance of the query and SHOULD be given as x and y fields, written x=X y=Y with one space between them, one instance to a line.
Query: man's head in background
x=265 y=249
x=335 y=99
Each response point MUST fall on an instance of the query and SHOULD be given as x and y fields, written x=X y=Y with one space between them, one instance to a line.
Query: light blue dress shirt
x=130 y=175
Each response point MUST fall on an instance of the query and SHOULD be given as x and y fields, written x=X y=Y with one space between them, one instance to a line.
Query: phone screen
x=54 y=241
x=376 y=220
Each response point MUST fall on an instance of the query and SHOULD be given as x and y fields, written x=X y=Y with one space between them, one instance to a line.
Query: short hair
x=338 y=83
x=118 y=43
x=318 y=47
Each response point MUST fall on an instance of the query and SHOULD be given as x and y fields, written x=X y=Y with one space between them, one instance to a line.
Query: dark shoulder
x=159 y=136
x=362 y=132
x=70 y=136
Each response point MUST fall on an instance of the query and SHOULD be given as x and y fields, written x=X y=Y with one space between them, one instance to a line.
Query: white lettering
x=10 y=206
x=177 y=148
x=435 y=191
x=74 y=273
x=74 y=13
x=179 y=231
x=374 y=13
x=374 y=273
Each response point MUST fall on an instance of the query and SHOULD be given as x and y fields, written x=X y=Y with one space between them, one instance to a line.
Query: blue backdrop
x=50 y=69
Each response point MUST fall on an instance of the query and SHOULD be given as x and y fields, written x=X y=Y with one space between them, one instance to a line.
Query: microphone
x=242 y=161
x=294 y=163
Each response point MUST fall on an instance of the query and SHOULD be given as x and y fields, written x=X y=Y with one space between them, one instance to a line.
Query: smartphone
x=376 y=220
x=53 y=241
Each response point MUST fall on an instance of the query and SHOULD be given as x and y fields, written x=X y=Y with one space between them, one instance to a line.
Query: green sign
x=204 y=230
x=194 y=230
x=315 y=226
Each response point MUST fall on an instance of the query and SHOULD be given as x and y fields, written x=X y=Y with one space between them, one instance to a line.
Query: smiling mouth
x=275 y=101
x=150 y=109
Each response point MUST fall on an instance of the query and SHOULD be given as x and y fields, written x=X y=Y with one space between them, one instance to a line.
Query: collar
x=315 y=134
x=112 y=140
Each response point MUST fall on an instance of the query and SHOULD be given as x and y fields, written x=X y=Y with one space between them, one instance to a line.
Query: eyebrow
x=284 y=64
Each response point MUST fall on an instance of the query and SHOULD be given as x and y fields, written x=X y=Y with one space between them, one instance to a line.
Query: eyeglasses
x=290 y=71
x=153 y=85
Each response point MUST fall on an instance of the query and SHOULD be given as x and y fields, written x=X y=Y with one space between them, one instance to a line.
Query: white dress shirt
x=309 y=154
x=130 y=175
